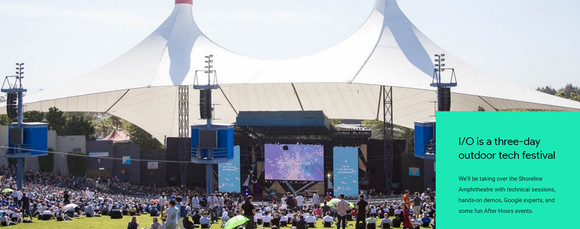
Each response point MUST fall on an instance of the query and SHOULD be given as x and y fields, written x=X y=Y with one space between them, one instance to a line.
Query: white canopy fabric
x=344 y=81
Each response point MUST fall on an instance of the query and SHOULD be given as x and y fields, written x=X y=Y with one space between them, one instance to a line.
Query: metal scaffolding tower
x=183 y=132
x=388 y=135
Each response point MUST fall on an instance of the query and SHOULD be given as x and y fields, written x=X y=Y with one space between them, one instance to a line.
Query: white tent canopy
x=344 y=81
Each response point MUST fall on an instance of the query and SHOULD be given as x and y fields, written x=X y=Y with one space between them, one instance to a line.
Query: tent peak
x=184 y=2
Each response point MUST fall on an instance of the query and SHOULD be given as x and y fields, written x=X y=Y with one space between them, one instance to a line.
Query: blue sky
x=532 y=42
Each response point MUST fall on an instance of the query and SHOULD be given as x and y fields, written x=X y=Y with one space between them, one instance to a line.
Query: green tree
x=78 y=124
x=561 y=93
x=547 y=90
x=104 y=123
x=56 y=120
x=4 y=120
x=33 y=116
x=376 y=127
x=334 y=122
x=569 y=92
x=141 y=137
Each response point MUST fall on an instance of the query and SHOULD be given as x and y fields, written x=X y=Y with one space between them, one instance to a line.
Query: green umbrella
x=7 y=190
x=333 y=202
x=235 y=222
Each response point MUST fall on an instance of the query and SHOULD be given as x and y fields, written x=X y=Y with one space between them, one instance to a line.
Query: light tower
x=210 y=143
x=25 y=139
x=425 y=131
x=443 y=88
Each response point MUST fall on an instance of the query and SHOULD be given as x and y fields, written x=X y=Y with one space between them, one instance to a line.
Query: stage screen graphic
x=294 y=162
x=345 y=170
x=229 y=173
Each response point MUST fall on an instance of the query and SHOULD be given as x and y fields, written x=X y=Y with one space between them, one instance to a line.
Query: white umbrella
x=69 y=206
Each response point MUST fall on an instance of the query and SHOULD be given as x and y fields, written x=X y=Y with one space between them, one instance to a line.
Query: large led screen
x=229 y=173
x=294 y=162
x=346 y=170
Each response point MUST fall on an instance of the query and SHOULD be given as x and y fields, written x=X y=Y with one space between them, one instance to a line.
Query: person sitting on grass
x=372 y=221
x=266 y=220
x=296 y=218
x=61 y=215
x=426 y=220
x=195 y=217
x=311 y=219
x=290 y=217
x=301 y=223
x=327 y=220
x=188 y=224
x=204 y=221
x=386 y=222
x=225 y=217
x=153 y=211
x=46 y=215
x=397 y=221
x=258 y=217
x=115 y=213
x=275 y=222
x=155 y=224
x=133 y=223
x=4 y=221
x=283 y=221
x=415 y=223
x=132 y=210
x=433 y=224
x=89 y=210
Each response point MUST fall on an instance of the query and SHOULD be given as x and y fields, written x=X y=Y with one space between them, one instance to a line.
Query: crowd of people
x=293 y=210
x=50 y=196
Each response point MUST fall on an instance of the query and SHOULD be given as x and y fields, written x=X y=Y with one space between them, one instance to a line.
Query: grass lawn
x=105 y=222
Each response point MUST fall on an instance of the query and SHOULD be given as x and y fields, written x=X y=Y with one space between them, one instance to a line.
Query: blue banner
x=229 y=173
x=345 y=170
x=126 y=160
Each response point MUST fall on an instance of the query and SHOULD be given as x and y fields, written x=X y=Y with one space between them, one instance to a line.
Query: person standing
x=417 y=202
x=290 y=201
x=407 y=199
x=361 y=214
x=195 y=202
x=315 y=199
x=66 y=198
x=213 y=207
x=162 y=200
x=25 y=204
x=299 y=200
x=221 y=204
x=406 y=217
x=171 y=214
x=182 y=212
x=328 y=197
x=249 y=211
x=16 y=196
x=342 y=210
x=283 y=199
